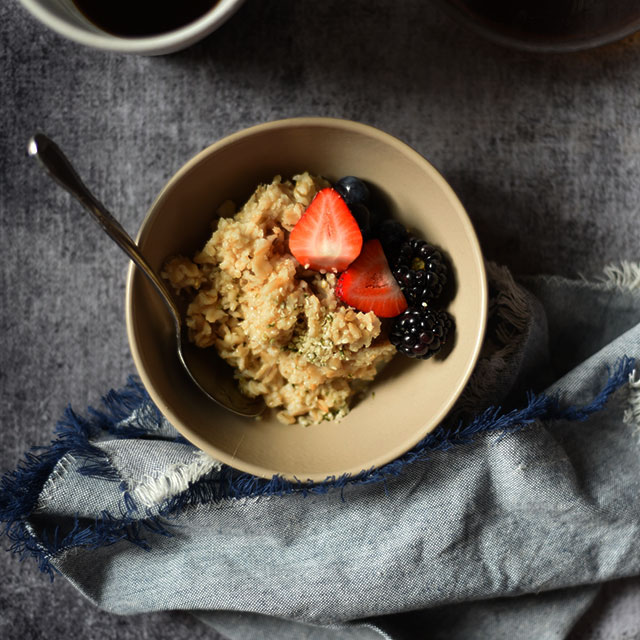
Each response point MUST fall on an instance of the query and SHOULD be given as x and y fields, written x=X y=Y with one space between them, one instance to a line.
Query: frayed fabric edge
x=510 y=313
x=624 y=276
x=631 y=414
x=152 y=491
x=19 y=490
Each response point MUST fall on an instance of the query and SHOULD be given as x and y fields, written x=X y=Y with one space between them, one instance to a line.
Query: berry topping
x=420 y=271
x=363 y=217
x=420 y=333
x=392 y=235
x=368 y=284
x=353 y=190
x=327 y=236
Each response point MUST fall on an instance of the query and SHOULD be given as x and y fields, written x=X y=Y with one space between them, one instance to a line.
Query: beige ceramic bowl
x=409 y=398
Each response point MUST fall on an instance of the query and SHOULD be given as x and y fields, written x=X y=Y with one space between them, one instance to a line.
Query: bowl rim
x=169 y=42
x=535 y=45
x=346 y=125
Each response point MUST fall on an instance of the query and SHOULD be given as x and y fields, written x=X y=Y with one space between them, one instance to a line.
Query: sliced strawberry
x=368 y=284
x=327 y=236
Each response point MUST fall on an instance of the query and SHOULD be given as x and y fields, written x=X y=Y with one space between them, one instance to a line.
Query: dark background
x=543 y=151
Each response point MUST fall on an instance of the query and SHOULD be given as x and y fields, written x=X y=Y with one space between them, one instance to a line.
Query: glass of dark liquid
x=549 y=25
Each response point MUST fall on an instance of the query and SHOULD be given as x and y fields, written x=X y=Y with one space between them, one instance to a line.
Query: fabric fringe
x=624 y=276
x=632 y=411
x=176 y=479
x=511 y=306
x=20 y=489
x=508 y=316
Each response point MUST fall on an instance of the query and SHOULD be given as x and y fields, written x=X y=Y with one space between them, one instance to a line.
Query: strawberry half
x=368 y=284
x=327 y=236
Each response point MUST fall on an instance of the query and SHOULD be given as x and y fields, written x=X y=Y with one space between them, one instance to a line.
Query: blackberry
x=420 y=333
x=420 y=270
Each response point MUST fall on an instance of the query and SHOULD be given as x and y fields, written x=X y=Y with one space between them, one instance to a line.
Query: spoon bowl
x=205 y=368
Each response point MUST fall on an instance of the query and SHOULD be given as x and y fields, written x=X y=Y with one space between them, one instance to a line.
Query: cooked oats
x=279 y=325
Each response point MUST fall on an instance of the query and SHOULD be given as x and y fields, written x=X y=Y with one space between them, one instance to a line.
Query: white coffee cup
x=66 y=19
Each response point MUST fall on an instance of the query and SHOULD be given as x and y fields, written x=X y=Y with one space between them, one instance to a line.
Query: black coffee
x=134 y=18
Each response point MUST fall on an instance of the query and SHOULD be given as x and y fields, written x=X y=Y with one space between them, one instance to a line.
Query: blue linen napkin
x=501 y=523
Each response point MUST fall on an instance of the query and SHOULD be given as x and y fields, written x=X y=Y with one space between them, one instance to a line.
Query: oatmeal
x=281 y=326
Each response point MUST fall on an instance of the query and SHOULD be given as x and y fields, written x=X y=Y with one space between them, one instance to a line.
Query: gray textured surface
x=543 y=151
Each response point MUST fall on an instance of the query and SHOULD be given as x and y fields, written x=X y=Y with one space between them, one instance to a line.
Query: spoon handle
x=61 y=170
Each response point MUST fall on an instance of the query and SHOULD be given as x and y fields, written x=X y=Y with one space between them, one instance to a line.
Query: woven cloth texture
x=542 y=150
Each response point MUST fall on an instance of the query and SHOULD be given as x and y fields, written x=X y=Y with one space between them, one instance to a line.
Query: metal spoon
x=209 y=372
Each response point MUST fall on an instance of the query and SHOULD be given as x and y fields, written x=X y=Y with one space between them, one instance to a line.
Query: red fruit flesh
x=369 y=285
x=327 y=237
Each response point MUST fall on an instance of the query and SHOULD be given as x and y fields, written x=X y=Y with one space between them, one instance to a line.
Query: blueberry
x=363 y=217
x=393 y=237
x=375 y=219
x=393 y=231
x=353 y=190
